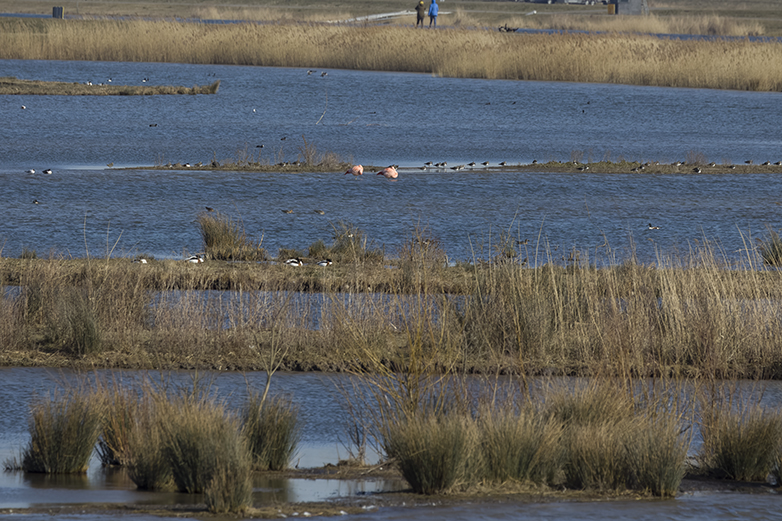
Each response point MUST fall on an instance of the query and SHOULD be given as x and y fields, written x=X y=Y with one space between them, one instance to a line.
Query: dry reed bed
x=597 y=58
x=699 y=319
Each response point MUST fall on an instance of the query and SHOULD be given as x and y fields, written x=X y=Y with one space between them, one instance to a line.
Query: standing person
x=433 y=9
x=421 y=10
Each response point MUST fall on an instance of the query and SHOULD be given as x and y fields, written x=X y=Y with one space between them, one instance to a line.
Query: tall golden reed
x=595 y=58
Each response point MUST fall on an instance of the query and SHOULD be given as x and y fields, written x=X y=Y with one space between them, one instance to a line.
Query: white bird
x=326 y=262
x=294 y=262
x=23 y=107
x=140 y=261
x=197 y=259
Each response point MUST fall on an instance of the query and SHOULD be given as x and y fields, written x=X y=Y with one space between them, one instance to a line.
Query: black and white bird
x=325 y=262
x=294 y=262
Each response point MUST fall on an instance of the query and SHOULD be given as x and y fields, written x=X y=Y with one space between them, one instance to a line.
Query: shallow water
x=323 y=420
x=378 y=118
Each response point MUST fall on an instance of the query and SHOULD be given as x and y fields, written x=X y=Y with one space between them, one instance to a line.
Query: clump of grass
x=28 y=254
x=74 y=323
x=771 y=249
x=593 y=403
x=202 y=441
x=596 y=457
x=63 y=431
x=271 y=429
x=421 y=257
x=118 y=423
x=520 y=446
x=656 y=452
x=433 y=452
x=352 y=245
x=147 y=465
x=230 y=489
x=741 y=441
x=225 y=239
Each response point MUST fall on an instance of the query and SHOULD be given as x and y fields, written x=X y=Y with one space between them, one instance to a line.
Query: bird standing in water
x=389 y=173
x=355 y=170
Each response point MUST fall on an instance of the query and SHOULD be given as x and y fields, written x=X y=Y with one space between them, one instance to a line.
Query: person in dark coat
x=433 y=10
x=420 y=9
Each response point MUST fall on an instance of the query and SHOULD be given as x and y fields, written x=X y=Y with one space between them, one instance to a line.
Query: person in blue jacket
x=433 y=9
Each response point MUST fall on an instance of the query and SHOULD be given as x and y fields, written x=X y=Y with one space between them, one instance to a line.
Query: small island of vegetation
x=12 y=85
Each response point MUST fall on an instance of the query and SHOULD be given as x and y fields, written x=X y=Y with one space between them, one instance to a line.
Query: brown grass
x=10 y=85
x=635 y=59
x=696 y=316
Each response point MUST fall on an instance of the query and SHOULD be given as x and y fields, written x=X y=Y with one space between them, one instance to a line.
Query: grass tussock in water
x=63 y=429
x=635 y=59
x=272 y=431
x=225 y=238
x=741 y=438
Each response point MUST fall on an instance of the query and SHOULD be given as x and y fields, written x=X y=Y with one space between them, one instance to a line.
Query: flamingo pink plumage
x=355 y=170
x=389 y=173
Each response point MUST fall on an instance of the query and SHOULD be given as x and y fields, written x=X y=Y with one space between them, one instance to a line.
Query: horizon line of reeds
x=634 y=59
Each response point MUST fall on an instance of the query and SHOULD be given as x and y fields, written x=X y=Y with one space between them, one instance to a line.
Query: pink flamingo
x=355 y=170
x=389 y=173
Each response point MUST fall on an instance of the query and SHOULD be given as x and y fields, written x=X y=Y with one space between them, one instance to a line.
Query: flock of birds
x=200 y=258
x=388 y=172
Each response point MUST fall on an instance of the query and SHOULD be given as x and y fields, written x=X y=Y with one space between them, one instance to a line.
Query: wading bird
x=389 y=173
x=355 y=170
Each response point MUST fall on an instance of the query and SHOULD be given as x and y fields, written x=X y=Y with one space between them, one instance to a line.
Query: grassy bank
x=723 y=17
x=634 y=59
x=11 y=85
x=697 y=316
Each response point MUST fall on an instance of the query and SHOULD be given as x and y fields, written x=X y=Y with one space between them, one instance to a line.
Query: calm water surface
x=377 y=118
x=372 y=118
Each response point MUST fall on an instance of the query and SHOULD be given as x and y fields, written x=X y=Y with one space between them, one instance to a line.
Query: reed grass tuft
x=657 y=452
x=521 y=446
x=147 y=465
x=432 y=452
x=118 y=422
x=200 y=437
x=771 y=249
x=225 y=239
x=64 y=429
x=271 y=428
x=741 y=439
